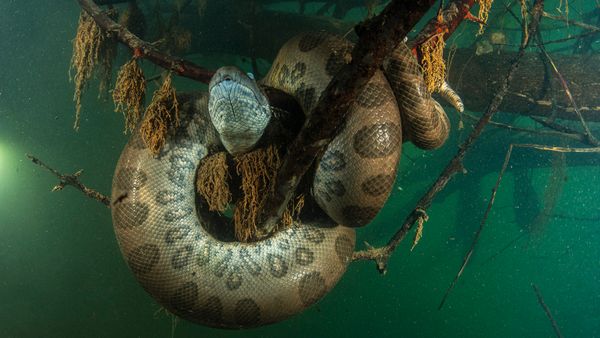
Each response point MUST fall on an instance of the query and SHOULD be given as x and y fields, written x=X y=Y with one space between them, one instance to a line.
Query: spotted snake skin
x=162 y=233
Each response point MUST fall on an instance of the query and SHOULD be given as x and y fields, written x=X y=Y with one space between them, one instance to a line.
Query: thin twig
x=569 y=135
x=557 y=149
x=382 y=254
x=587 y=133
x=571 y=22
x=547 y=310
x=72 y=180
x=469 y=254
x=504 y=248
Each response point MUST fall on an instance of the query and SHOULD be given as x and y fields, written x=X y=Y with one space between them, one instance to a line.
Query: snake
x=164 y=234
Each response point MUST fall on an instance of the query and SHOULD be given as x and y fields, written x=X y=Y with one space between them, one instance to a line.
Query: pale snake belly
x=163 y=235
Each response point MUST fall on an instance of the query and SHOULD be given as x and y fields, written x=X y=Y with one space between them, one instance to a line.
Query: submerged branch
x=72 y=180
x=469 y=254
x=145 y=49
x=558 y=133
x=572 y=22
x=546 y=310
x=449 y=19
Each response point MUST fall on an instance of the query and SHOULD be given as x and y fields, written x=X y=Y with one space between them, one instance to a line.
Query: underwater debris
x=106 y=58
x=524 y=17
x=161 y=114
x=258 y=169
x=211 y=181
x=129 y=93
x=432 y=62
x=423 y=217
x=484 y=12
x=292 y=211
x=86 y=52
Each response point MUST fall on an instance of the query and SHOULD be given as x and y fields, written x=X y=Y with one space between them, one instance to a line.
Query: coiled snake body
x=162 y=233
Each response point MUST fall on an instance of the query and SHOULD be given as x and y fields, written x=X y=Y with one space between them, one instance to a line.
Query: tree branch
x=145 y=49
x=72 y=180
x=451 y=16
x=540 y=299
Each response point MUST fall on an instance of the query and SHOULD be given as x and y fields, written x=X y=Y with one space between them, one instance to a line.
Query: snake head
x=238 y=108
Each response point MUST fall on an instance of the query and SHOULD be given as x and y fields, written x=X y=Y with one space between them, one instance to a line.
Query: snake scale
x=163 y=235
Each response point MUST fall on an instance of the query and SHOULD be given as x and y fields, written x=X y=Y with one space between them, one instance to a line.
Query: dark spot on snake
x=210 y=311
x=184 y=299
x=277 y=265
x=378 y=184
x=373 y=95
x=249 y=263
x=176 y=234
x=130 y=178
x=181 y=163
x=182 y=257
x=357 y=216
x=223 y=265
x=344 y=248
x=143 y=259
x=333 y=160
x=304 y=256
x=178 y=177
x=311 y=288
x=284 y=244
x=335 y=187
x=298 y=72
x=314 y=235
x=177 y=214
x=306 y=97
x=166 y=197
x=247 y=312
x=130 y=214
x=283 y=75
x=310 y=41
x=377 y=140
x=234 y=280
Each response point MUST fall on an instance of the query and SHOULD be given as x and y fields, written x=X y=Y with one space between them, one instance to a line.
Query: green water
x=62 y=274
